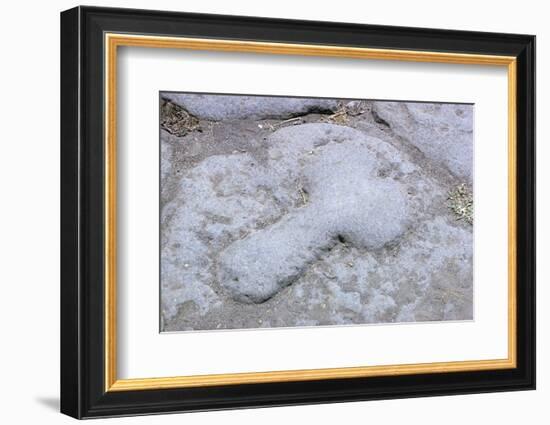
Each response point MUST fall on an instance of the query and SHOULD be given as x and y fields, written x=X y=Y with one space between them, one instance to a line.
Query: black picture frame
x=83 y=392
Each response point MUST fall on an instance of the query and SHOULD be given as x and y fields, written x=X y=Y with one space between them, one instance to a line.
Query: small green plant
x=461 y=203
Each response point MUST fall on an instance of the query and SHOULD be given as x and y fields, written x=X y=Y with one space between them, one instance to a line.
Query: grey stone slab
x=443 y=132
x=229 y=107
x=321 y=224
x=345 y=200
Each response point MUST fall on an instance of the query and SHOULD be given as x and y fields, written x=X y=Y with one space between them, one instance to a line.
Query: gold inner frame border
x=111 y=43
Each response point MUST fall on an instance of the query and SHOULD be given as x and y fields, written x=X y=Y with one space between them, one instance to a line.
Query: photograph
x=302 y=211
x=261 y=211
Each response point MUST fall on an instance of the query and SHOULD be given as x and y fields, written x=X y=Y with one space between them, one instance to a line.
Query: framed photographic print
x=261 y=212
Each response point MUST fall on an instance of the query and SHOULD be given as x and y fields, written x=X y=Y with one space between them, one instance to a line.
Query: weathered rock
x=345 y=200
x=426 y=277
x=215 y=203
x=236 y=193
x=165 y=158
x=443 y=132
x=230 y=107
